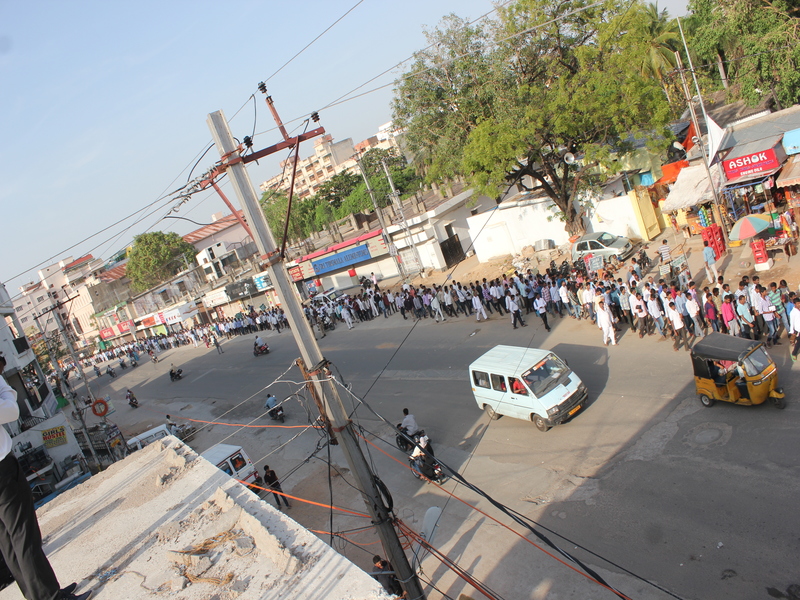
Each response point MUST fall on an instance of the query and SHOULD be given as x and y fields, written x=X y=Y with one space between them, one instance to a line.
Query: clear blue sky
x=103 y=104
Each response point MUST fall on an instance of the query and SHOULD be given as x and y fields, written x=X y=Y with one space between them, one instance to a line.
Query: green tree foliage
x=660 y=38
x=337 y=188
x=756 y=41
x=157 y=256
x=501 y=102
x=274 y=203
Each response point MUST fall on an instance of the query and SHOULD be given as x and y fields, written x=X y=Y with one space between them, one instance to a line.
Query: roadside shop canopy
x=790 y=175
x=691 y=188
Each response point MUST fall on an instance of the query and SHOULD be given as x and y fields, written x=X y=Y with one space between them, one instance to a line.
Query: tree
x=660 y=37
x=275 y=203
x=503 y=102
x=337 y=188
x=758 y=40
x=157 y=256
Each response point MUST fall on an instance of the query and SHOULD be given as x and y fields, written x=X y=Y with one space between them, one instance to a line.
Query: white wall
x=512 y=226
x=615 y=215
x=58 y=453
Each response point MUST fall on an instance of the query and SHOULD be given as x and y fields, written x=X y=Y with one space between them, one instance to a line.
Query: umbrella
x=748 y=226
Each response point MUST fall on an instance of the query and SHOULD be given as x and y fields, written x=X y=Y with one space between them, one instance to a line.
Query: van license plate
x=574 y=410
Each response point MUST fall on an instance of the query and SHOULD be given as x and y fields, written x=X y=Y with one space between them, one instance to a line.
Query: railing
x=30 y=422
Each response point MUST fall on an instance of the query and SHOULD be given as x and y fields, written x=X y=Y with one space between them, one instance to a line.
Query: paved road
x=699 y=501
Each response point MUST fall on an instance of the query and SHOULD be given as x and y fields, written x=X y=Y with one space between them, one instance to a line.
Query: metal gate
x=452 y=251
x=409 y=259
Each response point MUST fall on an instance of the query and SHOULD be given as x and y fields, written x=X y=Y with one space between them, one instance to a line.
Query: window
x=480 y=379
x=19 y=309
x=238 y=462
x=499 y=383
x=607 y=239
x=40 y=298
x=517 y=387
x=225 y=467
x=583 y=246
x=593 y=245
x=24 y=320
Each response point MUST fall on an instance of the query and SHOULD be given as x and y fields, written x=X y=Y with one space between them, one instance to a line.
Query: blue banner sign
x=263 y=282
x=341 y=259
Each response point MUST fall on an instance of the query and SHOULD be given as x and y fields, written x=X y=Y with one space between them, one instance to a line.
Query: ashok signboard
x=753 y=164
x=346 y=258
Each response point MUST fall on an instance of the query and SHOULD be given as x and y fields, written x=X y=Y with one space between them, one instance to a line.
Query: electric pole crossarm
x=288 y=143
x=311 y=354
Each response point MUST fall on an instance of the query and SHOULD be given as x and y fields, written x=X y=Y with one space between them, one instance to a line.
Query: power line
x=309 y=44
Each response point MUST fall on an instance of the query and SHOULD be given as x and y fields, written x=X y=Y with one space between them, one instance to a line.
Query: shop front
x=749 y=172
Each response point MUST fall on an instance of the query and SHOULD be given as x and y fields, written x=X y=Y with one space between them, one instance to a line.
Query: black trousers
x=20 y=538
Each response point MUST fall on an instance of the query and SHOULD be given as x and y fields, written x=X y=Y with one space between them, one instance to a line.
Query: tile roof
x=208 y=230
x=113 y=274
x=77 y=262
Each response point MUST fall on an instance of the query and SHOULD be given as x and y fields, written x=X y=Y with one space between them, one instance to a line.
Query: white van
x=148 y=437
x=234 y=461
x=526 y=383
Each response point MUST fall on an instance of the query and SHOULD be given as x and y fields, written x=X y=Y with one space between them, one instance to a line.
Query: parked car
x=602 y=244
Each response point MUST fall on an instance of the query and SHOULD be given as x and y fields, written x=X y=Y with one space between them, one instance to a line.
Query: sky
x=103 y=105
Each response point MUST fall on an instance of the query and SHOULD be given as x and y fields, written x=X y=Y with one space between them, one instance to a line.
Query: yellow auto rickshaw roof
x=718 y=346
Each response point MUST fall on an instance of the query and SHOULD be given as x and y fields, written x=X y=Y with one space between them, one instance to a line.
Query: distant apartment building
x=330 y=158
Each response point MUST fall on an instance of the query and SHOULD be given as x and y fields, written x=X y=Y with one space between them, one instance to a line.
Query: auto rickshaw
x=733 y=369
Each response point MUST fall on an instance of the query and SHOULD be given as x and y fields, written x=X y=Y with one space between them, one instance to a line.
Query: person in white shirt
x=794 y=328
x=513 y=309
x=540 y=306
x=20 y=539
x=409 y=423
x=605 y=321
x=679 y=326
x=694 y=313
x=477 y=306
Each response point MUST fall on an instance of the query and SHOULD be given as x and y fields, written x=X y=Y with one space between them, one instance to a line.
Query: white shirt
x=604 y=319
x=794 y=321
x=410 y=424
x=9 y=412
x=676 y=318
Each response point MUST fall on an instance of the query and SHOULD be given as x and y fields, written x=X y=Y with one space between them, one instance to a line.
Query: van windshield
x=545 y=375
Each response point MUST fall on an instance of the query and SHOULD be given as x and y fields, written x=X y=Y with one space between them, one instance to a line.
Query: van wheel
x=490 y=412
x=540 y=423
x=706 y=401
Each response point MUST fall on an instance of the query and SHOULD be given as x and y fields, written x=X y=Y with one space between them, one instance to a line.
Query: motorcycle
x=122 y=364
x=175 y=375
x=431 y=472
x=134 y=363
x=111 y=372
x=328 y=323
x=97 y=371
x=259 y=350
x=154 y=358
x=276 y=414
x=401 y=439
x=644 y=260
x=132 y=401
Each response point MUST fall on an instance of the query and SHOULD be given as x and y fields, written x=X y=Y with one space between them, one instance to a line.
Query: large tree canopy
x=157 y=256
x=754 y=43
x=503 y=101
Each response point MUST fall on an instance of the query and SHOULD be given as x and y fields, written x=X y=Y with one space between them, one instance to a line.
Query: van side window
x=480 y=379
x=238 y=462
x=499 y=383
x=225 y=467
x=517 y=387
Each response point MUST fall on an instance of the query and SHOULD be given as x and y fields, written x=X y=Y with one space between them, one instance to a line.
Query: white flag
x=715 y=135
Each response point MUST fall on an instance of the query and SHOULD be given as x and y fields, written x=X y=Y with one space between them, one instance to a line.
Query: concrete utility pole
x=386 y=239
x=79 y=371
x=312 y=355
x=399 y=206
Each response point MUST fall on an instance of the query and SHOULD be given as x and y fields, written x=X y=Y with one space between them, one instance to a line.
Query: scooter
x=154 y=358
x=259 y=350
x=111 y=371
x=134 y=364
x=433 y=472
x=401 y=439
x=328 y=324
x=132 y=401
x=97 y=371
x=644 y=260
x=122 y=364
x=175 y=375
x=276 y=414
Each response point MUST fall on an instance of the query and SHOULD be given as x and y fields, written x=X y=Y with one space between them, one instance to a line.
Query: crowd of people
x=618 y=295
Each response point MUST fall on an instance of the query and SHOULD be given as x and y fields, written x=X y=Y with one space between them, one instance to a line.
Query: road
x=698 y=501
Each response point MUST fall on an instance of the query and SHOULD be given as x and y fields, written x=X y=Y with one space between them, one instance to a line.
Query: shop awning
x=758 y=177
x=790 y=175
x=691 y=188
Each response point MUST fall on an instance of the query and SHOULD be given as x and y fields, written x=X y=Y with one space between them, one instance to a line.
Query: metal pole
x=399 y=206
x=312 y=355
x=386 y=239
x=702 y=147
x=723 y=214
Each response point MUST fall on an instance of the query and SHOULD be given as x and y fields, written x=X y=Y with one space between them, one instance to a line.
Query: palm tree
x=659 y=34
